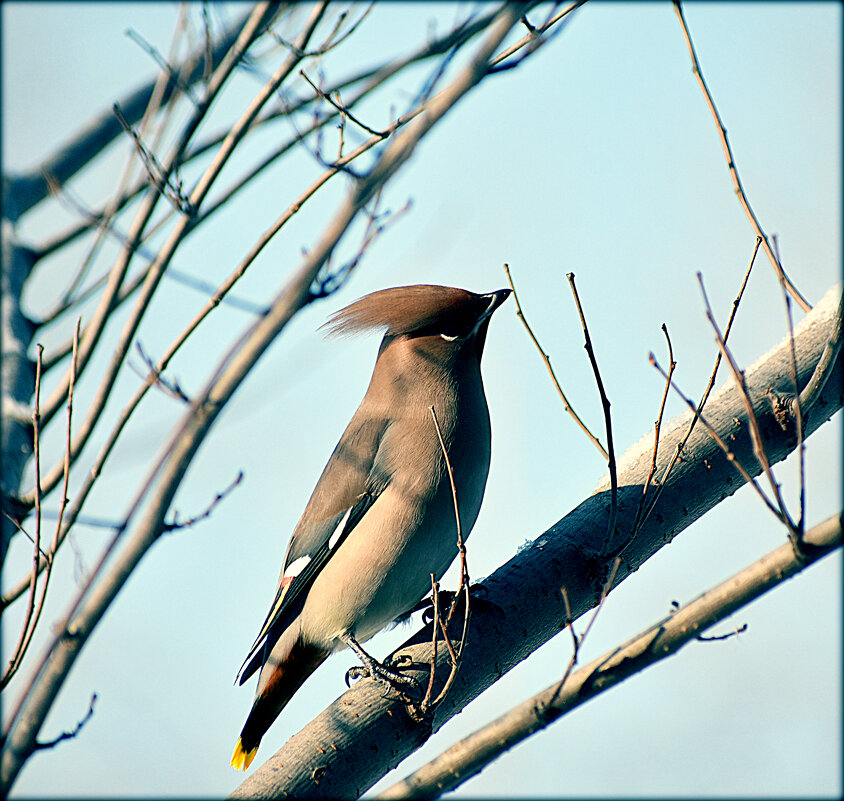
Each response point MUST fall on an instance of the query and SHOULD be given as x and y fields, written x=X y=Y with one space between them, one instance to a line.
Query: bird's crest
x=405 y=309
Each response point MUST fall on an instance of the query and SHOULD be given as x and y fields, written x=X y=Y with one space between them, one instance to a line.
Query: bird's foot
x=374 y=669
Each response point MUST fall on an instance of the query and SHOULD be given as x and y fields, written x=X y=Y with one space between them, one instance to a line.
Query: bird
x=381 y=518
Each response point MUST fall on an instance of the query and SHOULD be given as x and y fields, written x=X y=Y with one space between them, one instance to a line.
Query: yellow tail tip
x=241 y=759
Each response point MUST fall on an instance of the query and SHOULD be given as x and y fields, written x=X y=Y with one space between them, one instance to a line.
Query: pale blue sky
x=596 y=156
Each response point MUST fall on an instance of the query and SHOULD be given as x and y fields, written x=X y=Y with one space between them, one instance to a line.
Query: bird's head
x=447 y=318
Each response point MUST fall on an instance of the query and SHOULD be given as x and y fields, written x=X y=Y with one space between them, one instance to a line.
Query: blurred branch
x=375 y=78
x=28 y=189
x=260 y=17
x=104 y=221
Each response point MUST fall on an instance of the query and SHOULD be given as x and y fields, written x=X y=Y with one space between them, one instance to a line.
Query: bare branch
x=343 y=109
x=547 y=359
x=262 y=13
x=657 y=425
x=166 y=476
x=752 y=420
x=826 y=364
x=711 y=383
x=69 y=735
x=605 y=404
x=31 y=188
x=725 y=448
x=569 y=554
x=177 y=524
x=731 y=164
x=33 y=614
x=664 y=638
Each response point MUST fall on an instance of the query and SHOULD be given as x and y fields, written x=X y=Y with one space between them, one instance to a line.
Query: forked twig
x=682 y=444
x=728 y=452
x=343 y=109
x=176 y=524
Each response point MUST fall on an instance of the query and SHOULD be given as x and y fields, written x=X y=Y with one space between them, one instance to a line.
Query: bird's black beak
x=495 y=300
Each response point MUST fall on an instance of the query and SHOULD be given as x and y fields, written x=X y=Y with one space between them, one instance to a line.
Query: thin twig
x=435 y=600
x=731 y=457
x=33 y=613
x=547 y=359
x=330 y=43
x=798 y=413
x=160 y=178
x=605 y=404
x=578 y=641
x=171 y=387
x=731 y=164
x=753 y=422
x=827 y=364
x=533 y=40
x=344 y=110
x=657 y=426
x=661 y=483
x=69 y=735
x=464 y=577
x=177 y=524
x=721 y=637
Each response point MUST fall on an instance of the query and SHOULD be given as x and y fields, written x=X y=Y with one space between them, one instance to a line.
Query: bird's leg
x=372 y=667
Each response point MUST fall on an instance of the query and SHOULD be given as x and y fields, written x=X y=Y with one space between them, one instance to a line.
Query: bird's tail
x=281 y=676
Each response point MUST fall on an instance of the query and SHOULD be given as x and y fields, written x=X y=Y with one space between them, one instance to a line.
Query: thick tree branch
x=663 y=639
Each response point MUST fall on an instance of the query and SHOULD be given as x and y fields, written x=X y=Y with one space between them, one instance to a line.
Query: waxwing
x=381 y=518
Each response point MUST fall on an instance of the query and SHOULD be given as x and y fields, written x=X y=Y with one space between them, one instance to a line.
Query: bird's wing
x=348 y=482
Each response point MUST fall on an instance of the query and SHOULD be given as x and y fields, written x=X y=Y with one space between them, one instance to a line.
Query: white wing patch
x=338 y=532
x=296 y=567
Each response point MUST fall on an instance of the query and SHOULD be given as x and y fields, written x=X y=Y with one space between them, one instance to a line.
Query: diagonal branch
x=665 y=638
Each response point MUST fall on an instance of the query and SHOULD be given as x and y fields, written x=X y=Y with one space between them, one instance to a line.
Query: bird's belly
x=351 y=593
